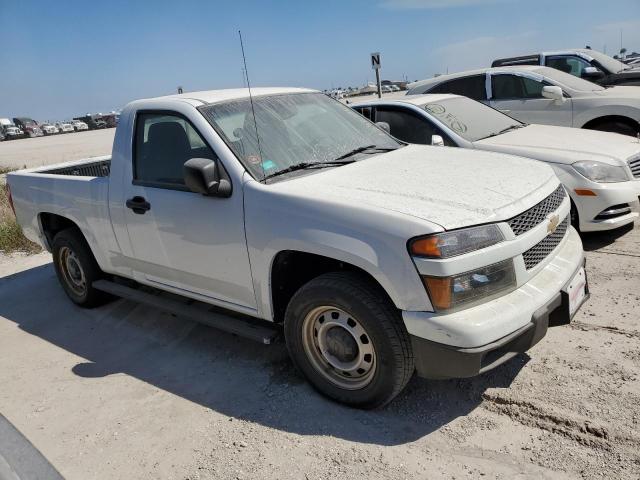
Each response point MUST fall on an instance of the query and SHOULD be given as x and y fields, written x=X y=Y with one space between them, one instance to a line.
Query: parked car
x=544 y=95
x=28 y=126
x=11 y=132
x=65 y=127
x=93 y=122
x=377 y=258
x=49 y=129
x=600 y=170
x=581 y=62
x=79 y=126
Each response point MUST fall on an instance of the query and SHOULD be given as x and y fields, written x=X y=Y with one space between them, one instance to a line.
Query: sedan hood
x=564 y=145
x=451 y=187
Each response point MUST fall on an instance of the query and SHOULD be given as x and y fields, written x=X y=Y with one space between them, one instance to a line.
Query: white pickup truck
x=292 y=211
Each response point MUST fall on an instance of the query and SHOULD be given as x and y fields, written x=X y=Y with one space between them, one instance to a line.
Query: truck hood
x=623 y=92
x=564 y=145
x=451 y=187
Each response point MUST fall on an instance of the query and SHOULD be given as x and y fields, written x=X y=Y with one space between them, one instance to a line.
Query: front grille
x=542 y=249
x=634 y=165
x=538 y=213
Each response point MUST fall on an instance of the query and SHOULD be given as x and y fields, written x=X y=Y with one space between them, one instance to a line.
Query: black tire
x=356 y=296
x=71 y=242
x=616 y=126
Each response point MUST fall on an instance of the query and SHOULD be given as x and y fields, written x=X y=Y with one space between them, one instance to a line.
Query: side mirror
x=384 y=126
x=592 y=73
x=437 y=141
x=201 y=175
x=553 y=92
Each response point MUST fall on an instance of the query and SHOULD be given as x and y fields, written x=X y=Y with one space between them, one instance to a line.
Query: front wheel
x=616 y=126
x=349 y=340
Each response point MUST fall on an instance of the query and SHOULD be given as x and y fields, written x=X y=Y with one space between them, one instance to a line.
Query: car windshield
x=569 y=81
x=470 y=119
x=611 y=64
x=293 y=129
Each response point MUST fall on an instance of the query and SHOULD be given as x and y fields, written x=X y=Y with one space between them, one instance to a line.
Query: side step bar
x=194 y=310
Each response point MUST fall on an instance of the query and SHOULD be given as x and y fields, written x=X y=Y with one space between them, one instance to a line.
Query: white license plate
x=577 y=290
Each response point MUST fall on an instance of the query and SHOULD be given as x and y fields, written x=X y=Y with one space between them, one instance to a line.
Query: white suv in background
x=79 y=126
x=600 y=170
x=535 y=94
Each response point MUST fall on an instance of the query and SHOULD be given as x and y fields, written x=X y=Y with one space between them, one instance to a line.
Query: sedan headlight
x=464 y=290
x=601 y=172
x=456 y=242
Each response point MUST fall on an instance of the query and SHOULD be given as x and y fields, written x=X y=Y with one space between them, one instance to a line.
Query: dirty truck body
x=378 y=258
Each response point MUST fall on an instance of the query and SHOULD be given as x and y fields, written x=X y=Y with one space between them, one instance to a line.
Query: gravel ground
x=125 y=391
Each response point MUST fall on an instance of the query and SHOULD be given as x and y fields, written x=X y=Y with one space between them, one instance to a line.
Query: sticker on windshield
x=449 y=119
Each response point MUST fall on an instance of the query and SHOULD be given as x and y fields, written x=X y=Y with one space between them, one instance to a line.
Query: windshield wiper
x=366 y=148
x=307 y=165
x=504 y=130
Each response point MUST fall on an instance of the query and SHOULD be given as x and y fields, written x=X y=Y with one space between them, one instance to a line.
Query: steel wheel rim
x=72 y=271
x=339 y=347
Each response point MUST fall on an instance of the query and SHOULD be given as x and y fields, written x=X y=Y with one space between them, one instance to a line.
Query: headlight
x=601 y=172
x=456 y=242
x=467 y=289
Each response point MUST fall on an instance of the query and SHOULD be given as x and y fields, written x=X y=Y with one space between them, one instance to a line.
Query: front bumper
x=436 y=360
x=479 y=338
x=608 y=195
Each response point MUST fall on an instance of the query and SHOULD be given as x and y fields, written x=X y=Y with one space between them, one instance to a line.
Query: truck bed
x=99 y=168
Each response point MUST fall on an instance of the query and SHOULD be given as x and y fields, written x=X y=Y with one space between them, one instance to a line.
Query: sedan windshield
x=294 y=130
x=470 y=119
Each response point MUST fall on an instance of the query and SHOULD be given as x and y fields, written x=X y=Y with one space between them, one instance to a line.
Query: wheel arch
x=610 y=119
x=291 y=269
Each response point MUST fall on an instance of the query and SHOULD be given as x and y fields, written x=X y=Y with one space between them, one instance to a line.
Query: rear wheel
x=349 y=340
x=77 y=269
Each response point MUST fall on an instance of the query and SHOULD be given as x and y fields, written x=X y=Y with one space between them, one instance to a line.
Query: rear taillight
x=10 y=199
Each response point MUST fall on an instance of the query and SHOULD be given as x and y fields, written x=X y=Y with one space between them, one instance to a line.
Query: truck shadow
x=595 y=240
x=219 y=371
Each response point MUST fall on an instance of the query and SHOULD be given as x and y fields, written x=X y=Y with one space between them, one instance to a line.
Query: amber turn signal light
x=585 y=193
x=426 y=247
x=439 y=291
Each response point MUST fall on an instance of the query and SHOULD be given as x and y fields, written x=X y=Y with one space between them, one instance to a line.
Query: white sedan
x=600 y=170
x=536 y=94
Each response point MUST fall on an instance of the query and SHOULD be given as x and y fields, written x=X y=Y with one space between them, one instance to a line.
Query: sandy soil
x=35 y=152
x=125 y=391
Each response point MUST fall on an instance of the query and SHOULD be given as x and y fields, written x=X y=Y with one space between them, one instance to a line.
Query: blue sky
x=64 y=58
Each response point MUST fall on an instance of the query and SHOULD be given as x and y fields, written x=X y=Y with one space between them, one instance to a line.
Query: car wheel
x=77 y=269
x=348 y=340
x=624 y=128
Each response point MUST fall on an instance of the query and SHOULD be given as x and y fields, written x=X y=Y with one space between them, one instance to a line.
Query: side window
x=531 y=88
x=407 y=126
x=163 y=144
x=506 y=87
x=568 y=64
x=365 y=111
x=472 y=87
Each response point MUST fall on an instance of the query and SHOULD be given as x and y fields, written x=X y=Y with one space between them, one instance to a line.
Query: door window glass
x=568 y=64
x=163 y=144
x=472 y=87
x=407 y=126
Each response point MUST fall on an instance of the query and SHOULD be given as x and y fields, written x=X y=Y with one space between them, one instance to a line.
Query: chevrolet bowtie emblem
x=553 y=223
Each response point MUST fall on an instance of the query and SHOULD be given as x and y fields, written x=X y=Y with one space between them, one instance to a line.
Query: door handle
x=139 y=205
x=505 y=111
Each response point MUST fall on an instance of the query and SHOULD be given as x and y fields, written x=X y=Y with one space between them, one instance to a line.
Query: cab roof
x=214 y=96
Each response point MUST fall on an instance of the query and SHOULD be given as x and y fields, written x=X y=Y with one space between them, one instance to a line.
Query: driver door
x=521 y=98
x=191 y=243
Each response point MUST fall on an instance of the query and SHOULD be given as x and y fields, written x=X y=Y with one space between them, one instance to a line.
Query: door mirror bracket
x=202 y=175
x=437 y=140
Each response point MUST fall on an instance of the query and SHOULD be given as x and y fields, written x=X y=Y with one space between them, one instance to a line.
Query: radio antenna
x=253 y=110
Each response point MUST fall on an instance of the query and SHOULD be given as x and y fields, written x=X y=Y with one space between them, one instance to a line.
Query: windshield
x=569 y=81
x=470 y=119
x=611 y=64
x=292 y=129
